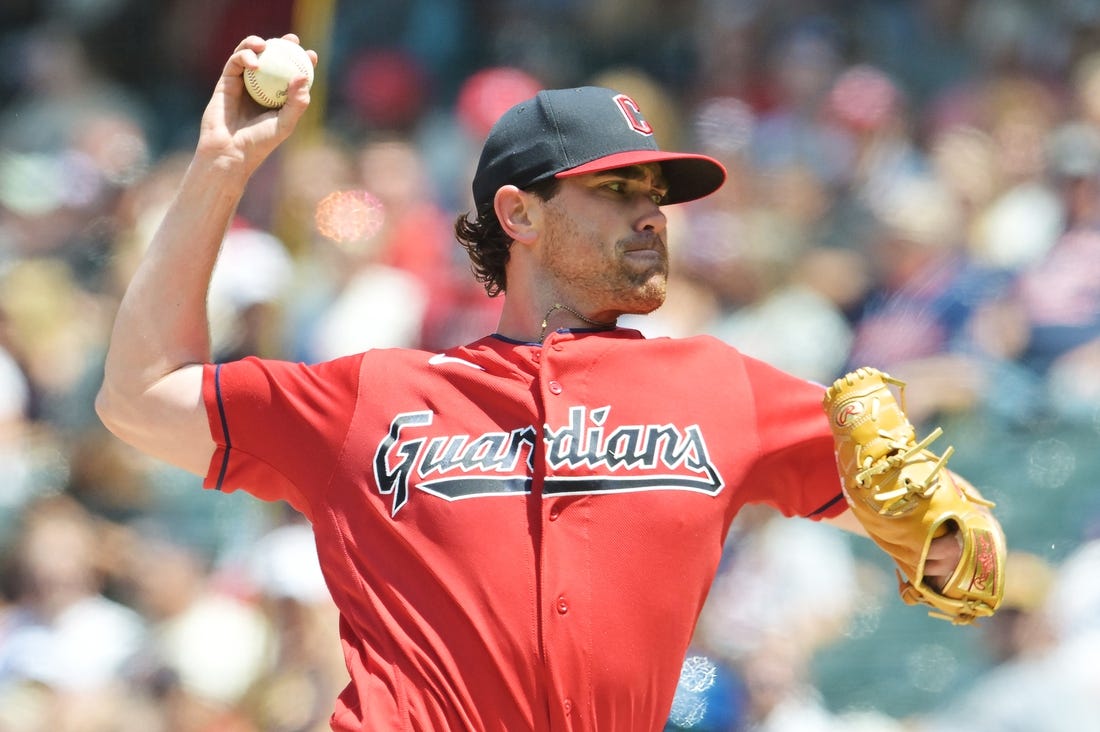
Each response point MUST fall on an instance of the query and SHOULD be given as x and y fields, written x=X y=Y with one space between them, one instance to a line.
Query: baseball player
x=519 y=532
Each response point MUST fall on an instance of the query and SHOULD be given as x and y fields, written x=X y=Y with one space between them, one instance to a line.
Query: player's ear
x=516 y=213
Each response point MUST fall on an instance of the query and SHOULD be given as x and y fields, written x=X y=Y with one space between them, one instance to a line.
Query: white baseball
x=280 y=61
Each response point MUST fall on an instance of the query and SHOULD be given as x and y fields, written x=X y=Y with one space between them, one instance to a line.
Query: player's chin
x=647 y=297
x=647 y=269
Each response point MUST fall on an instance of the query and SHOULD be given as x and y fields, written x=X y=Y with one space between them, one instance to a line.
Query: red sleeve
x=278 y=427
x=797 y=471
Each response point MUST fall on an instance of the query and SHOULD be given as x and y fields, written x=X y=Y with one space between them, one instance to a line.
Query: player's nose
x=652 y=219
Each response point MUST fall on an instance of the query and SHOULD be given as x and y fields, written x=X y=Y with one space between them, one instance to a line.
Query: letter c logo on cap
x=633 y=114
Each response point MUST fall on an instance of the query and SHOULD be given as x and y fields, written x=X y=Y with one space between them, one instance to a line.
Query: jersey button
x=567 y=706
x=536 y=356
x=563 y=605
x=554 y=513
x=554 y=387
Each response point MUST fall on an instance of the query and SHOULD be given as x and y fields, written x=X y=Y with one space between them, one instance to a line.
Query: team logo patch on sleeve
x=583 y=456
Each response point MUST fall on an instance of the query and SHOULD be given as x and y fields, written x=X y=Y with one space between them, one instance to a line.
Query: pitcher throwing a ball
x=520 y=532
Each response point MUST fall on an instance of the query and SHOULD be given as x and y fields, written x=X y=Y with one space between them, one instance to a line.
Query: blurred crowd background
x=914 y=185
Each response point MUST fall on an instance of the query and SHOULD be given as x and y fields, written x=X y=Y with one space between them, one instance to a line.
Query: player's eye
x=629 y=188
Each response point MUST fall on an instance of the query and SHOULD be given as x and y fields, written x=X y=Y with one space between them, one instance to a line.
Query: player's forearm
x=848 y=522
x=161 y=323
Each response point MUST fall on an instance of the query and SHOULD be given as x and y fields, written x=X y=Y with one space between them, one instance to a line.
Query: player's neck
x=532 y=325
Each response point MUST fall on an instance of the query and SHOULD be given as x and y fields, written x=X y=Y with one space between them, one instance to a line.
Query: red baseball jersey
x=520 y=537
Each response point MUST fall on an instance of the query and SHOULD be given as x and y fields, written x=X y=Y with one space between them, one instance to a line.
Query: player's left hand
x=944 y=555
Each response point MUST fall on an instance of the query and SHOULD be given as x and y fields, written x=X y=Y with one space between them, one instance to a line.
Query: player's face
x=605 y=245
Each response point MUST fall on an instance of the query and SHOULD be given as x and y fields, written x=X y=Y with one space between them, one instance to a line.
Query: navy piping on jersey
x=830 y=504
x=518 y=342
x=225 y=426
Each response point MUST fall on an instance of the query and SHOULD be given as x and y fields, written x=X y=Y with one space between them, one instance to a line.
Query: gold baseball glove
x=904 y=496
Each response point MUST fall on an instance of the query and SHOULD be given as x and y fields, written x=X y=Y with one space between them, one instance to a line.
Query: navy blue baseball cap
x=566 y=132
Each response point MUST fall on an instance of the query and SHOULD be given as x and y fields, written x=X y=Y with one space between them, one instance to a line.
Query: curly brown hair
x=486 y=243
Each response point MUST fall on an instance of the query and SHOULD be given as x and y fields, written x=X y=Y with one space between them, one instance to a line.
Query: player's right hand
x=235 y=131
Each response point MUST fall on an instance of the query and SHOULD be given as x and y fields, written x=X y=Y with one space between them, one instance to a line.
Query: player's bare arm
x=151 y=392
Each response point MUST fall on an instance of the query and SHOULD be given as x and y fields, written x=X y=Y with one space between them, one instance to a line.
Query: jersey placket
x=564 y=557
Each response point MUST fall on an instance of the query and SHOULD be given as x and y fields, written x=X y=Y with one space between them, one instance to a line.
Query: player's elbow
x=108 y=409
x=124 y=402
x=165 y=420
x=119 y=411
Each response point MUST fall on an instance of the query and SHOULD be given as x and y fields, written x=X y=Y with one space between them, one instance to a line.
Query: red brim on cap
x=689 y=176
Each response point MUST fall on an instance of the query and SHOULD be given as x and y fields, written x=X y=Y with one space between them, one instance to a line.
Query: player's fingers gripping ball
x=905 y=497
x=280 y=62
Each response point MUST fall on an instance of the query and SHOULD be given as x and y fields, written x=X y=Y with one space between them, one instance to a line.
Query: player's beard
x=614 y=281
x=643 y=284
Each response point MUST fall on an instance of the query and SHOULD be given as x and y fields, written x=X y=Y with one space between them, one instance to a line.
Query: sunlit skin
x=599 y=246
x=606 y=241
